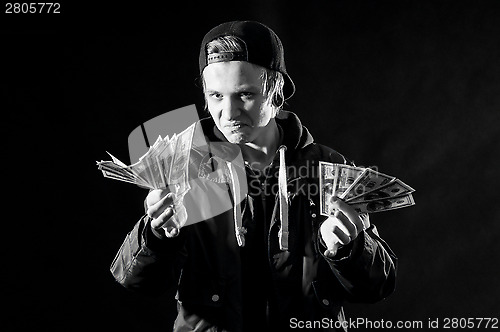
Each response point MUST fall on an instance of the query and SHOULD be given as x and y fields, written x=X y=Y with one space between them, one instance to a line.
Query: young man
x=281 y=265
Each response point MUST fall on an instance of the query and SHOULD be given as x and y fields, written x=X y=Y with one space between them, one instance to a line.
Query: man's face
x=235 y=100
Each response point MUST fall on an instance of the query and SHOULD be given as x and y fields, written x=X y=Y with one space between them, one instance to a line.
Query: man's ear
x=276 y=110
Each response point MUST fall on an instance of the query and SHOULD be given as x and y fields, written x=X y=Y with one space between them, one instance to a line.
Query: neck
x=260 y=152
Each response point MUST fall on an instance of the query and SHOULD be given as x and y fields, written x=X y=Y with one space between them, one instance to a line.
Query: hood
x=296 y=136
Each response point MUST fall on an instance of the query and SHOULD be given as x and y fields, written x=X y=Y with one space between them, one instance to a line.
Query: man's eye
x=216 y=95
x=246 y=95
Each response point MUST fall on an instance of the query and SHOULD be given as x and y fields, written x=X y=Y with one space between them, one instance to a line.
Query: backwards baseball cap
x=262 y=47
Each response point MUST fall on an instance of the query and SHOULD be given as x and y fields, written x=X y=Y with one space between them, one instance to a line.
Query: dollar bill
x=367 y=181
x=392 y=189
x=326 y=181
x=164 y=160
x=366 y=189
x=112 y=174
x=346 y=175
x=156 y=165
x=150 y=166
x=333 y=181
x=116 y=160
x=117 y=171
x=164 y=165
x=384 y=204
x=178 y=177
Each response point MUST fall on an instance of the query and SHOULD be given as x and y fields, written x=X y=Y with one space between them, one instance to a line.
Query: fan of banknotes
x=365 y=189
x=164 y=165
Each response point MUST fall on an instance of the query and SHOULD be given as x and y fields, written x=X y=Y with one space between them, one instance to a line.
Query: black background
x=412 y=87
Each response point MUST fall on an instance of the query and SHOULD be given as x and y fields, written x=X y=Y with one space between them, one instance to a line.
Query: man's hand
x=341 y=228
x=160 y=205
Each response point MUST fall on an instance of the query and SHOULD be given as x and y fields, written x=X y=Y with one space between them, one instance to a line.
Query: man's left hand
x=342 y=227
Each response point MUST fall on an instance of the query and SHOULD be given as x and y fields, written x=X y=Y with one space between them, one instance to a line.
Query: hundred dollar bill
x=326 y=180
x=114 y=174
x=392 y=189
x=156 y=162
x=333 y=181
x=344 y=177
x=164 y=165
x=367 y=181
x=178 y=180
x=116 y=170
x=164 y=159
x=384 y=204
x=178 y=177
x=152 y=168
x=116 y=160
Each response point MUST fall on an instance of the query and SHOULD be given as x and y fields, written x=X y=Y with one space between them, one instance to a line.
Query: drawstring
x=283 y=200
x=239 y=230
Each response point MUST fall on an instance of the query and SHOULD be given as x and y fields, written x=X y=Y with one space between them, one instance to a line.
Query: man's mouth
x=235 y=126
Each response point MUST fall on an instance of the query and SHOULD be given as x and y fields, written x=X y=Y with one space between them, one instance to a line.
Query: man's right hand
x=160 y=205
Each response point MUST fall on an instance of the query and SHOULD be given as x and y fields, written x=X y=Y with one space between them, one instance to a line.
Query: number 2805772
x=32 y=8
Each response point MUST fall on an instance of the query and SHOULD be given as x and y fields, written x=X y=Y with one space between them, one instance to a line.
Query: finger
x=163 y=218
x=333 y=232
x=341 y=234
x=339 y=237
x=365 y=218
x=349 y=212
x=331 y=251
x=332 y=244
x=346 y=225
x=158 y=208
x=172 y=232
x=154 y=196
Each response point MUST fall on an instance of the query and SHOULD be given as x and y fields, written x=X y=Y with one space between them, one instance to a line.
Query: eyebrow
x=242 y=88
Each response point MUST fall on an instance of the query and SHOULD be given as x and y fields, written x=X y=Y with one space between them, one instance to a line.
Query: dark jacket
x=222 y=286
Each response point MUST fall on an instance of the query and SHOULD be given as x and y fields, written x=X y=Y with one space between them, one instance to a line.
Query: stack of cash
x=165 y=165
x=365 y=189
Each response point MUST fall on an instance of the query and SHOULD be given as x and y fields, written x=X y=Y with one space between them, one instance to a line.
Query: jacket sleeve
x=146 y=263
x=366 y=268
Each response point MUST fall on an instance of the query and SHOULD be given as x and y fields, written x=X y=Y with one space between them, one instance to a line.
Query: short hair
x=273 y=80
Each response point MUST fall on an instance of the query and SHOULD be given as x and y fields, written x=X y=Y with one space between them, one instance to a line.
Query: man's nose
x=231 y=108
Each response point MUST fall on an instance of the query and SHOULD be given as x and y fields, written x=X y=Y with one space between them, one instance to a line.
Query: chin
x=237 y=138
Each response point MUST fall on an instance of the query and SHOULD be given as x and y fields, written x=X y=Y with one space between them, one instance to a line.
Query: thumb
x=329 y=239
x=331 y=250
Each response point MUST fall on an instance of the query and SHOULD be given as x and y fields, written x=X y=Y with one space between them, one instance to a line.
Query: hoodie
x=253 y=259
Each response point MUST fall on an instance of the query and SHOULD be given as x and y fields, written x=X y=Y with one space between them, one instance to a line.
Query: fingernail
x=329 y=253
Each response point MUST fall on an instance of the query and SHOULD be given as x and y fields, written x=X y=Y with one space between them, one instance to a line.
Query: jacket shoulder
x=320 y=152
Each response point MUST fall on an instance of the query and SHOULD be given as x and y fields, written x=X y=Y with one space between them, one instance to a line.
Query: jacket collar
x=295 y=135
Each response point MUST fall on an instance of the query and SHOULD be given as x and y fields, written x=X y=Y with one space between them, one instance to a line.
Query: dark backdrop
x=412 y=87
